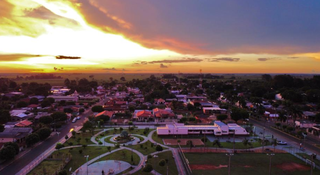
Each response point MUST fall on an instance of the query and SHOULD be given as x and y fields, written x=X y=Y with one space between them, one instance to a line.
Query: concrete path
x=175 y=154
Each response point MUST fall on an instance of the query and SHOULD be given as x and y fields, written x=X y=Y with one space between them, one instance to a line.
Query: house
x=163 y=113
x=14 y=134
x=59 y=90
x=271 y=113
x=159 y=101
x=214 y=110
x=107 y=113
x=24 y=123
x=218 y=129
x=304 y=124
x=19 y=114
x=143 y=115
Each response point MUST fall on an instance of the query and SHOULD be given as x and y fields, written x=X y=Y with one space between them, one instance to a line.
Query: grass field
x=123 y=155
x=154 y=161
x=157 y=138
x=146 y=148
x=247 y=164
x=83 y=141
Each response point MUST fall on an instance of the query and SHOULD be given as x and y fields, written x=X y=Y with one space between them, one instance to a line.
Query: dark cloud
x=67 y=57
x=114 y=69
x=263 y=59
x=183 y=60
x=229 y=59
x=163 y=66
x=58 y=69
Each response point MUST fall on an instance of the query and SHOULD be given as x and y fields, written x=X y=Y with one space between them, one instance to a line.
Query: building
x=219 y=128
x=14 y=134
x=143 y=115
x=304 y=124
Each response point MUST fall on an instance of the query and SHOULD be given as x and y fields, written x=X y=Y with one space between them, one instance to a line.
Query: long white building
x=219 y=128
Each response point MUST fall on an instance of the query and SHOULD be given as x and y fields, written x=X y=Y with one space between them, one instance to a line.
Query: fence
x=185 y=161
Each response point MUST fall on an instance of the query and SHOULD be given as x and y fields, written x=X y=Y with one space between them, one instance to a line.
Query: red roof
x=144 y=114
x=107 y=113
x=23 y=123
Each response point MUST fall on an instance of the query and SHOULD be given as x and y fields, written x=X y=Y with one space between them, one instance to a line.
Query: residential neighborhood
x=178 y=110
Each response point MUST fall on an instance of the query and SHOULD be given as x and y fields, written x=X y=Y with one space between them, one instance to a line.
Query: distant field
x=247 y=164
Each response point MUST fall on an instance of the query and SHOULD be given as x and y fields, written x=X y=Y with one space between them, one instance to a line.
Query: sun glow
x=92 y=45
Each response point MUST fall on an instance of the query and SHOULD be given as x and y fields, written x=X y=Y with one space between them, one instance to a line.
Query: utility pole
x=234 y=142
x=270 y=156
x=229 y=165
x=311 y=163
x=264 y=129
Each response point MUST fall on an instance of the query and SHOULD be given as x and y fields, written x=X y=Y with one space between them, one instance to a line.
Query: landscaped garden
x=166 y=160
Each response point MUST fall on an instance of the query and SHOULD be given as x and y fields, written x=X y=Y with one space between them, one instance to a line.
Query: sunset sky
x=160 y=36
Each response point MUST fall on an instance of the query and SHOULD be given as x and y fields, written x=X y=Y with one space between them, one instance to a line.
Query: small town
x=163 y=124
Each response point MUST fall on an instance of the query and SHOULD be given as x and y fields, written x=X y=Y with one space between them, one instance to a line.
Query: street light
x=87 y=157
x=270 y=156
x=229 y=166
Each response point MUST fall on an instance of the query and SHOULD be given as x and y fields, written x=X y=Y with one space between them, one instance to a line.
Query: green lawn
x=83 y=141
x=154 y=161
x=123 y=155
x=157 y=138
x=79 y=159
x=245 y=164
x=146 y=148
x=52 y=164
x=135 y=131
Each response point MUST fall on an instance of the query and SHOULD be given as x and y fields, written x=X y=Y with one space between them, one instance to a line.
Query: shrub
x=159 y=148
x=149 y=156
x=148 y=168
x=80 y=151
x=162 y=162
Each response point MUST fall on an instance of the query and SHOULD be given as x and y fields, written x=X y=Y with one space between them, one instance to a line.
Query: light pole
x=229 y=165
x=270 y=156
x=311 y=163
x=87 y=157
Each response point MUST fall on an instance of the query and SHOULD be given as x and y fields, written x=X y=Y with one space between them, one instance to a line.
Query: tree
x=190 y=143
x=87 y=125
x=216 y=143
x=97 y=108
x=32 y=139
x=4 y=116
x=22 y=104
x=46 y=120
x=274 y=142
x=44 y=133
x=14 y=145
x=148 y=168
x=159 y=148
x=162 y=162
x=45 y=103
x=59 y=116
x=246 y=142
x=222 y=117
x=7 y=153
x=34 y=101
x=1 y=128
x=59 y=146
x=105 y=118
x=63 y=172
x=123 y=79
x=238 y=114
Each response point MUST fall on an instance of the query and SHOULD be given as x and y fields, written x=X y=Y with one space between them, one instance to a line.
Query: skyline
x=150 y=36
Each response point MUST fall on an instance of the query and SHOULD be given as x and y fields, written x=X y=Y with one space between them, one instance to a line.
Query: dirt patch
x=290 y=166
x=206 y=167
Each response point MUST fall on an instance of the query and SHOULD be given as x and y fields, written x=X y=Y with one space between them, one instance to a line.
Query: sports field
x=247 y=164
x=195 y=142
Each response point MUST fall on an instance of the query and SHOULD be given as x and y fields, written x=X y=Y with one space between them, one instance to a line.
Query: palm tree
x=189 y=142
x=216 y=143
x=246 y=143
x=274 y=142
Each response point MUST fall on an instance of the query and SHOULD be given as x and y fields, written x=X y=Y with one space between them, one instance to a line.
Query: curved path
x=137 y=168
x=174 y=151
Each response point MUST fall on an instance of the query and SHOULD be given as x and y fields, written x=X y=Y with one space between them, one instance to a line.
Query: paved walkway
x=175 y=154
x=137 y=168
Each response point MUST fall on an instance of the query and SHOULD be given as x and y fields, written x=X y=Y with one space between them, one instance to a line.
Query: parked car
x=74 y=120
x=78 y=118
x=282 y=142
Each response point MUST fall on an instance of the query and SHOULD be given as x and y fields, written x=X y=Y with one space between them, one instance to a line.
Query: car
x=74 y=120
x=78 y=118
x=281 y=142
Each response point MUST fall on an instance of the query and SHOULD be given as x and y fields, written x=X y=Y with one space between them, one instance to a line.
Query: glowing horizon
x=33 y=32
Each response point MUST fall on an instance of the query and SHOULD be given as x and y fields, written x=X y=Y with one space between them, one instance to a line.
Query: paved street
x=15 y=166
x=308 y=143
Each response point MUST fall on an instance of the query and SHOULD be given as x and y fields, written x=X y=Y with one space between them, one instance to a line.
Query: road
x=307 y=143
x=15 y=166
